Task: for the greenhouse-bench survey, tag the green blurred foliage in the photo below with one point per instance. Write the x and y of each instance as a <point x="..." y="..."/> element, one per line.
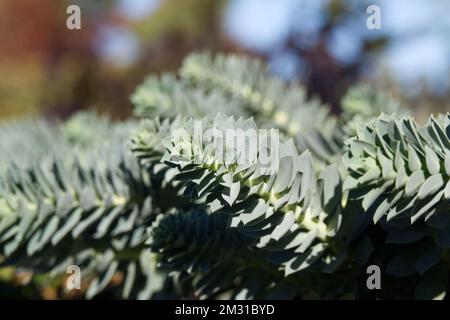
<point x="45" y="68"/>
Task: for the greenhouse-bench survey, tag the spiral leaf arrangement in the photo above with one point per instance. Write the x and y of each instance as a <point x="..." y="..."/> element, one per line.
<point x="296" y="205"/>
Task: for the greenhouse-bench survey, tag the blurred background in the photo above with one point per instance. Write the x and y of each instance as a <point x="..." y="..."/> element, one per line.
<point x="47" y="69"/>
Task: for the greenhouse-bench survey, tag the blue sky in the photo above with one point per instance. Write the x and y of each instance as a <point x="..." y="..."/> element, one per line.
<point x="420" y="29"/>
<point x="420" y="50"/>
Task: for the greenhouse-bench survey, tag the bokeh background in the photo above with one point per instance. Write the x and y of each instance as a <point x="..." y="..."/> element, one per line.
<point x="50" y="70"/>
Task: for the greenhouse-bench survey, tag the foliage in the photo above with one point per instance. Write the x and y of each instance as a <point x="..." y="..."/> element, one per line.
<point x="273" y="102"/>
<point x="159" y="204"/>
